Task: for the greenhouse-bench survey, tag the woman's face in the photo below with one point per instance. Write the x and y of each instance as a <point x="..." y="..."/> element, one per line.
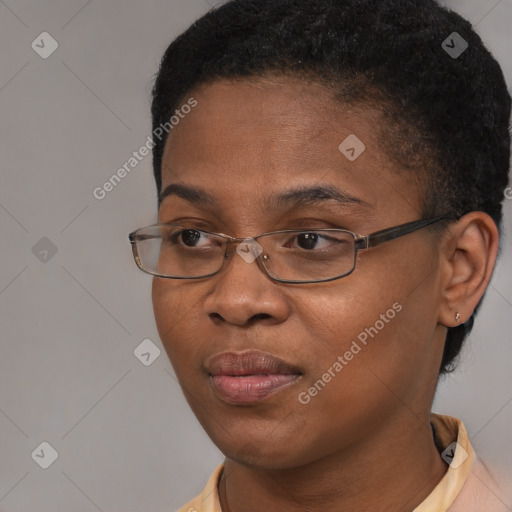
<point x="243" y="144"/>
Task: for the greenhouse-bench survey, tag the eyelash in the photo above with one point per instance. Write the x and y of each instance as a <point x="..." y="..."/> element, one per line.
<point x="299" y="224"/>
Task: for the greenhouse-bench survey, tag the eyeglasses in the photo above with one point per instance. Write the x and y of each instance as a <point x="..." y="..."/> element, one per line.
<point x="291" y="256"/>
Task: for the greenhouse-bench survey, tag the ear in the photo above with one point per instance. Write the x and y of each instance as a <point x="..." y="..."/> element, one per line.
<point x="468" y="255"/>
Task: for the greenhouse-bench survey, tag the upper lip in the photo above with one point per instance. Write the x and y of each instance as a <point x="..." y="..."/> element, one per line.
<point x="249" y="362"/>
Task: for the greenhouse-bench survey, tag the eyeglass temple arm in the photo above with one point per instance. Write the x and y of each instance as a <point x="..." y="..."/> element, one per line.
<point x="391" y="233"/>
<point x="133" y="237"/>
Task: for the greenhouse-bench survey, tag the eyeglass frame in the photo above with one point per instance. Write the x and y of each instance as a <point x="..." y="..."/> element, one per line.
<point x="361" y="242"/>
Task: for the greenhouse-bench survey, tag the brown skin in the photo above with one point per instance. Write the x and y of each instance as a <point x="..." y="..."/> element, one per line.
<point x="364" y="442"/>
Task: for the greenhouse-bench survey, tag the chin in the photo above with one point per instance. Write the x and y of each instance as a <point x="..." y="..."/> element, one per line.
<point x="261" y="451"/>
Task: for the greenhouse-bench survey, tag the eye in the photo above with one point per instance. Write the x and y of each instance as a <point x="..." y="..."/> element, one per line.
<point x="189" y="237"/>
<point x="312" y="240"/>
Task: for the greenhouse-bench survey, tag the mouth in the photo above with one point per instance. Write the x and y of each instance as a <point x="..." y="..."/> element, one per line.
<point x="250" y="376"/>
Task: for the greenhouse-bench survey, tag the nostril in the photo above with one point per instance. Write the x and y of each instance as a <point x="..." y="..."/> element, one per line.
<point x="260" y="316"/>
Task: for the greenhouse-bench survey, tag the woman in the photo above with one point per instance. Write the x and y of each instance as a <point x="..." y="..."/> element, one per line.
<point x="368" y="142"/>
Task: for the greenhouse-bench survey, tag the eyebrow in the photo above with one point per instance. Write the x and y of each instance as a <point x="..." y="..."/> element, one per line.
<point x="304" y="196"/>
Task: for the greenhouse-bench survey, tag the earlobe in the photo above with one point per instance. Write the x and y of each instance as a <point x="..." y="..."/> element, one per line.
<point x="469" y="255"/>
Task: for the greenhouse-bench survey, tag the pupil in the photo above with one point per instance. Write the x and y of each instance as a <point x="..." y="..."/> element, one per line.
<point x="190" y="236"/>
<point x="309" y="240"/>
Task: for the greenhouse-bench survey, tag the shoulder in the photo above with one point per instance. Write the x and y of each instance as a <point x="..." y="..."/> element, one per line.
<point x="481" y="492"/>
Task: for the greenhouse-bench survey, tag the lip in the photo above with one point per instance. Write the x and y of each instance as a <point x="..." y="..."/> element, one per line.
<point x="249" y="376"/>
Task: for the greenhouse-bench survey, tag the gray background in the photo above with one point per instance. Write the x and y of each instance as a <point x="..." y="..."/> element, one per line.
<point x="70" y="321"/>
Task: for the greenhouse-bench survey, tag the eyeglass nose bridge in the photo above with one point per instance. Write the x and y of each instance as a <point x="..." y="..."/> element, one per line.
<point x="247" y="248"/>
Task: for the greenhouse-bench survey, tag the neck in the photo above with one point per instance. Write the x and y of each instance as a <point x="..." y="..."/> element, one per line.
<point x="394" y="470"/>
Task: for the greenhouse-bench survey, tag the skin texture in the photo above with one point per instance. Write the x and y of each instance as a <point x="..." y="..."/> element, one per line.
<point x="364" y="442"/>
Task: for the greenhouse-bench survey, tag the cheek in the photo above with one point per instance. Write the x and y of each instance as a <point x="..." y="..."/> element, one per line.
<point x="368" y="326"/>
<point x="346" y="334"/>
<point x="347" y="310"/>
<point x="370" y="348"/>
<point x="176" y="317"/>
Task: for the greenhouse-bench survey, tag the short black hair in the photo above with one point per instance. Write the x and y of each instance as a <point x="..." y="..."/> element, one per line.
<point x="448" y="115"/>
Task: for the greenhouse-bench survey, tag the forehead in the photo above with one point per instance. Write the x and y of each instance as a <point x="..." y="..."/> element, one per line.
<point x="282" y="113"/>
<point x="250" y="136"/>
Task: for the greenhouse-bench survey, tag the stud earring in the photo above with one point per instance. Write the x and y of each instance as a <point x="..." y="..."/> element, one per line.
<point x="457" y="317"/>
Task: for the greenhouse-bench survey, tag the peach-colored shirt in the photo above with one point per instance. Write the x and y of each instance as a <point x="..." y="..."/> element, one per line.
<point x="467" y="485"/>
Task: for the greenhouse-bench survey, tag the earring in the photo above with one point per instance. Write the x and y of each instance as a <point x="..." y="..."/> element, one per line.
<point x="457" y="317"/>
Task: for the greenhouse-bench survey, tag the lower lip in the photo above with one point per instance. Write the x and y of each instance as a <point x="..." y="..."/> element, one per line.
<point x="246" y="389"/>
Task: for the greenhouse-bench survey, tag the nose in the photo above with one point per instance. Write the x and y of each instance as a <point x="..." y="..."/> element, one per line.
<point x="242" y="292"/>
